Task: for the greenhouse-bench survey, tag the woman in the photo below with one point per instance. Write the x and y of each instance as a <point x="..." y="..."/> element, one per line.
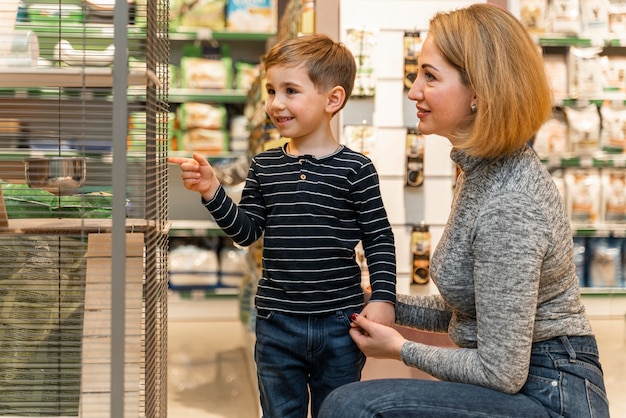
<point x="504" y="266"/>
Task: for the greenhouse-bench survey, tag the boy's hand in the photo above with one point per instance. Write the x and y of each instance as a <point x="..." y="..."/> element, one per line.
<point x="381" y="312"/>
<point x="197" y="175"/>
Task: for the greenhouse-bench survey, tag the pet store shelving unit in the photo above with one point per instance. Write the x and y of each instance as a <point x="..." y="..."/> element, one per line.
<point x="83" y="289"/>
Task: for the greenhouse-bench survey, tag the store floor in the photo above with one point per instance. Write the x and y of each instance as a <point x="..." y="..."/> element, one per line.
<point x="210" y="374"/>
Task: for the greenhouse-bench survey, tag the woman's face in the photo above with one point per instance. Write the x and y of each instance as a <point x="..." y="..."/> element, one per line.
<point x="443" y="102"/>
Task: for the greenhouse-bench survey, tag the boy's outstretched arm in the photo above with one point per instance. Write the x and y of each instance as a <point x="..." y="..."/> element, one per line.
<point x="197" y="175"/>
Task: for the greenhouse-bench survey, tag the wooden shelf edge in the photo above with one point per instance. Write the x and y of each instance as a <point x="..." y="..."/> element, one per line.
<point x="70" y="77"/>
<point x="73" y="226"/>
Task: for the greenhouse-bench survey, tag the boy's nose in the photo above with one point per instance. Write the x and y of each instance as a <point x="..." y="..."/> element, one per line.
<point x="277" y="103"/>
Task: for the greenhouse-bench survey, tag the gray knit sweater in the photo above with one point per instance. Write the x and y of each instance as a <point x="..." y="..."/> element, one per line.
<point x="505" y="271"/>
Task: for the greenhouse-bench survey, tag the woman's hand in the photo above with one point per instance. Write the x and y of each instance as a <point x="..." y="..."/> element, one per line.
<point x="197" y="175"/>
<point x="376" y="340"/>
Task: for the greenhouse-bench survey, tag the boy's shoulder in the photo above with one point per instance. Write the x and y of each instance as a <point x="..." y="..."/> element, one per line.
<point x="270" y="153"/>
<point x="357" y="156"/>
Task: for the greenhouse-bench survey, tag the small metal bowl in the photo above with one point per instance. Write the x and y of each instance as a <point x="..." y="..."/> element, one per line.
<point x="55" y="174"/>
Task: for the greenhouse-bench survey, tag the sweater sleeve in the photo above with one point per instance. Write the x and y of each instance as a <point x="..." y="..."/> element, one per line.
<point x="510" y="240"/>
<point x="427" y="313"/>
<point x="376" y="235"/>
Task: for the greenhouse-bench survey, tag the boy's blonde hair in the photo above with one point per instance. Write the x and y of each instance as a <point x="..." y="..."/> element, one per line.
<point x="500" y="62"/>
<point x="327" y="62"/>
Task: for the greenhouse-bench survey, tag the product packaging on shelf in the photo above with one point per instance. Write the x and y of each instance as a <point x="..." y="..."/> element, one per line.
<point x="605" y="262"/>
<point x="205" y="73"/>
<point x="205" y="141"/>
<point x="551" y="139"/>
<point x="202" y="115"/>
<point x="251" y="16"/>
<point x="202" y="127"/>
<point x="583" y="129"/>
<point x="412" y="48"/>
<point x="583" y="196"/>
<point x="191" y="265"/>
<point x="420" y="247"/>
<point x="613" y="131"/>
<point x="362" y="43"/>
<point x="197" y="14"/>
<point x="614" y="196"/>
<point x="414" y="158"/>
<point x="360" y="138"/>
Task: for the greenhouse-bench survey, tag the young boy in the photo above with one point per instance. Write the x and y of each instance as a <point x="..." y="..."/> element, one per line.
<point x="313" y="200"/>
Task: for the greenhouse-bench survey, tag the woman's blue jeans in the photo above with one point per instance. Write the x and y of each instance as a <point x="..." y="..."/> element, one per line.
<point x="565" y="380"/>
<point x="300" y="354"/>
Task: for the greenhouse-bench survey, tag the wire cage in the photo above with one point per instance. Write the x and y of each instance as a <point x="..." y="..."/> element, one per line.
<point x="83" y="207"/>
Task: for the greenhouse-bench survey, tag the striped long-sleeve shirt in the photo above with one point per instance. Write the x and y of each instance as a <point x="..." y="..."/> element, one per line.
<point x="312" y="213"/>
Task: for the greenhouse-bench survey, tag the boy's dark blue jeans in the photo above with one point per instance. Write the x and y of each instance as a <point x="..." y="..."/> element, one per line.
<point x="565" y="380"/>
<point x="300" y="354"/>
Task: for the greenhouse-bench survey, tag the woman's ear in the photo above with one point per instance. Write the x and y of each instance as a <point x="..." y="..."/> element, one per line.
<point x="336" y="99"/>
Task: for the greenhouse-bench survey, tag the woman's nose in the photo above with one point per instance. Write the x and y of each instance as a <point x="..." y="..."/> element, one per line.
<point x="415" y="92"/>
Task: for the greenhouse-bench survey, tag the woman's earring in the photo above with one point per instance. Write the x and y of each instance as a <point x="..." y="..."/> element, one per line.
<point x="473" y="107"/>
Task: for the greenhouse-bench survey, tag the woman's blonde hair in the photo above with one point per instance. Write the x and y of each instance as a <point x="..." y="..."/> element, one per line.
<point x="500" y="62"/>
<point x="327" y="62"/>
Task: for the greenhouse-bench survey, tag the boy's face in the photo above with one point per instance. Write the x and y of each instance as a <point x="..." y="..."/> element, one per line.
<point x="294" y="105"/>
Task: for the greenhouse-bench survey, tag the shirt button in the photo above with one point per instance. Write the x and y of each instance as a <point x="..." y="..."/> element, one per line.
<point x="554" y="383"/>
<point x="302" y="177"/>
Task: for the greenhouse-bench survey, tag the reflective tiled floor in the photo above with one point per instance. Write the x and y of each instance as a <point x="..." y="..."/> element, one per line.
<point x="210" y="374"/>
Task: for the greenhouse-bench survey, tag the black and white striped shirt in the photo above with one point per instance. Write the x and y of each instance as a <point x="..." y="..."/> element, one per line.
<point x="312" y="213"/>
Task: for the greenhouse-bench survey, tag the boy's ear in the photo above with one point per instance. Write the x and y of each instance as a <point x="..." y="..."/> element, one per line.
<point x="336" y="99"/>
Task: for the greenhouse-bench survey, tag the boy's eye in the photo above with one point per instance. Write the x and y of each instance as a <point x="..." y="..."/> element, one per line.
<point x="291" y="91"/>
<point x="270" y="91"/>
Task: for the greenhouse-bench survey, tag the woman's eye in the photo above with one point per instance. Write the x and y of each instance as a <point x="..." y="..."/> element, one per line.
<point x="428" y="76"/>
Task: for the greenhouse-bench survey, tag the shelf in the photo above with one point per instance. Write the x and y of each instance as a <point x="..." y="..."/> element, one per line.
<point x="603" y="291"/>
<point x="232" y="155"/>
<point x="88" y="30"/>
<point x="606" y="160"/>
<point x="180" y="95"/>
<point x="207" y="289"/>
<point x="218" y="287"/>
<point x="613" y="97"/>
<point x="70" y="77"/>
<point x="72" y="226"/>
<point x="558" y="40"/>
<point x="12" y="159"/>
<point x="182" y="34"/>
<point x="600" y="230"/>
<point x="193" y="228"/>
